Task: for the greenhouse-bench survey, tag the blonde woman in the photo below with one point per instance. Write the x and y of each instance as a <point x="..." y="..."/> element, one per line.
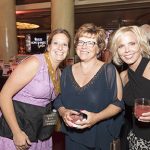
<point x="130" y="46"/>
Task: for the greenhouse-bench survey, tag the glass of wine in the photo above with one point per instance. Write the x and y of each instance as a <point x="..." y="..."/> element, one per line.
<point x="141" y="105"/>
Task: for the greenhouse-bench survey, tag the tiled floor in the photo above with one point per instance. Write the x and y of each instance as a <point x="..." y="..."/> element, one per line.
<point x="58" y="141"/>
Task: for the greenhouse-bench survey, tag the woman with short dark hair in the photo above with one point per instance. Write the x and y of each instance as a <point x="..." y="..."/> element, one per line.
<point x="91" y="95"/>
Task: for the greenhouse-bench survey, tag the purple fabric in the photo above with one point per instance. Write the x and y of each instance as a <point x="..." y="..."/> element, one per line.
<point x="39" y="91"/>
<point x="7" y="144"/>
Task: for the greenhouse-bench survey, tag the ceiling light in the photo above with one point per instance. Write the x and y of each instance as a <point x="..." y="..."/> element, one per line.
<point x="23" y="25"/>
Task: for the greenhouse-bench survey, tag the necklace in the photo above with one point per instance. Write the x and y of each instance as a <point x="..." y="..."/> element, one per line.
<point x="54" y="75"/>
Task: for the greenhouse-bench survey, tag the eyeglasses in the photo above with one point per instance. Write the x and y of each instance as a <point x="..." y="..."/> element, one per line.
<point x="88" y="43"/>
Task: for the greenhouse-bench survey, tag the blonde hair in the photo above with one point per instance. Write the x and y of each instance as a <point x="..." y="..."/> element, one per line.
<point x="145" y="28"/>
<point x="142" y="41"/>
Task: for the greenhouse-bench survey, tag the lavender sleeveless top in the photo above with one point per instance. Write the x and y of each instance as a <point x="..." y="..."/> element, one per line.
<point x="40" y="90"/>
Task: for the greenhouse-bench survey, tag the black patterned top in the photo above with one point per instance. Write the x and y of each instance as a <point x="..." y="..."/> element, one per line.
<point x="137" y="87"/>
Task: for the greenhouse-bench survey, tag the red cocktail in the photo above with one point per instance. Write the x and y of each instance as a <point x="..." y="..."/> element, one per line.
<point x="142" y="105"/>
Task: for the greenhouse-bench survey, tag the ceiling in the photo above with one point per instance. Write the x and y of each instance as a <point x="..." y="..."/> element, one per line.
<point x="110" y="15"/>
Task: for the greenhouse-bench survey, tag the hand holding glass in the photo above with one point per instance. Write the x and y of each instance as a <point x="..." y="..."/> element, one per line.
<point x="80" y="116"/>
<point x="142" y="105"/>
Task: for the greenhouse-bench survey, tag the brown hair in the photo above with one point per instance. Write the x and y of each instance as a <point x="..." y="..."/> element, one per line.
<point x="91" y="30"/>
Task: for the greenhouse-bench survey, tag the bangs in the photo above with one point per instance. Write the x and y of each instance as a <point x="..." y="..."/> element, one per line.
<point x="88" y="35"/>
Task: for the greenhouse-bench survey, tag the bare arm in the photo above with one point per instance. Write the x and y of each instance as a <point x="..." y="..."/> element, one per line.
<point x="124" y="77"/>
<point x="21" y="76"/>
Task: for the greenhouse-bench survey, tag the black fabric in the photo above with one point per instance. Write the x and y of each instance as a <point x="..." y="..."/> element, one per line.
<point x="94" y="97"/>
<point x="137" y="87"/>
<point x="30" y="120"/>
<point x="71" y="145"/>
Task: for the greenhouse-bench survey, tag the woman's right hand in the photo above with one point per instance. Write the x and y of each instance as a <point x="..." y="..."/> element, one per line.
<point x="21" y="141"/>
<point x="66" y="114"/>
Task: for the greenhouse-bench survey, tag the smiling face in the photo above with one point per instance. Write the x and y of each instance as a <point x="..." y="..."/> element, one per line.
<point x="129" y="49"/>
<point x="87" y="48"/>
<point x="58" y="48"/>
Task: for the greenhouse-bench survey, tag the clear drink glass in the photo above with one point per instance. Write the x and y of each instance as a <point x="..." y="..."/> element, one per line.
<point x="141" y="105"/>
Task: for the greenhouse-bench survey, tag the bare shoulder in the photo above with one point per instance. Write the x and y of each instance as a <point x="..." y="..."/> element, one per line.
<point x="147" y="71"/>
<point x="124" y="77"/>
<point x="28" y="66"/>
<point x="148" y="67"/>
<point x="22" y="75"/>
<point x="123" y="74"/>
<point x="32" y="59"/>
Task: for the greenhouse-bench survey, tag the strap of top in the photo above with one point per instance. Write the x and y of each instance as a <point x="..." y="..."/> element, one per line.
<point x="142" y="66"/>
<point x="136" y="83"/>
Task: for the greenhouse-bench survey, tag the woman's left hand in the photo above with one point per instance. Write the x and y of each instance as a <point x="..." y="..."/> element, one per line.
<point x="145" y="117"/>
<point x="89" y="122"/>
